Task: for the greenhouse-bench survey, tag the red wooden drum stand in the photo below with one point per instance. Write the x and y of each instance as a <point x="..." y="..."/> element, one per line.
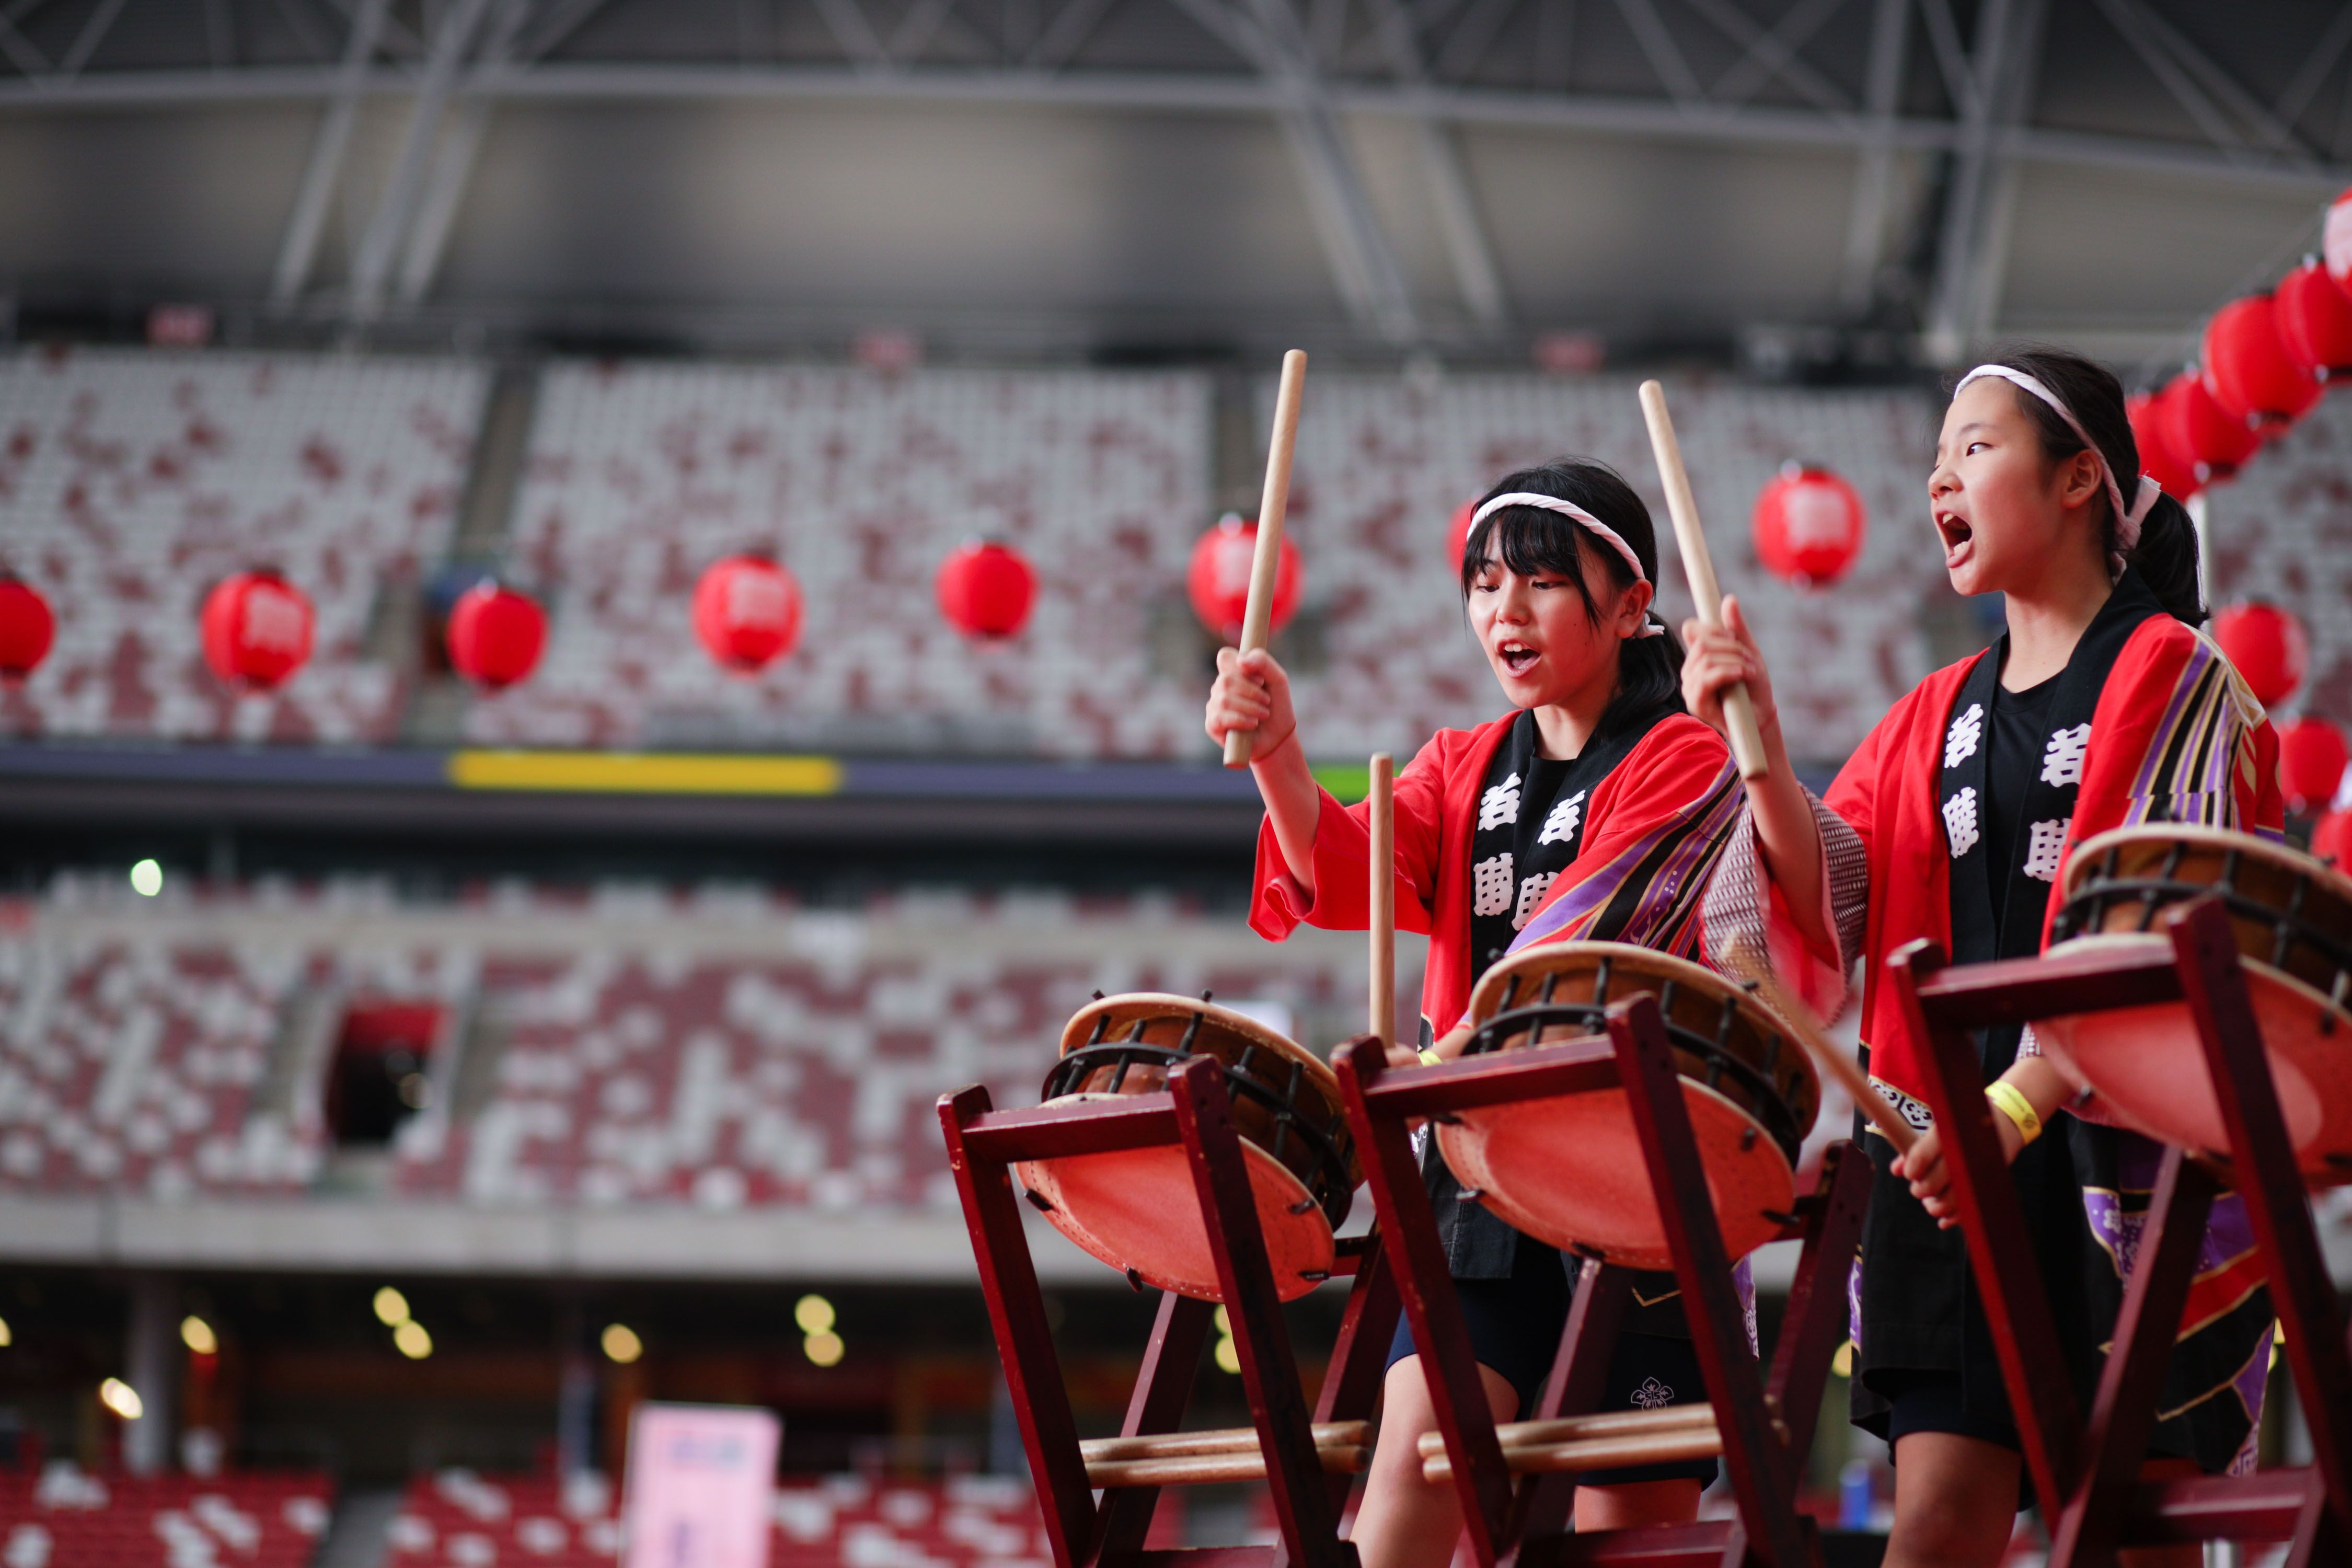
<point x="1307" y="1456"/>
<point x="1762" y="1423"/>
<point x="2096" y="1468"/>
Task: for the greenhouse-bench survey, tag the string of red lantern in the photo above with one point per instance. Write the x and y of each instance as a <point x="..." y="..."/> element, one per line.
<point x="2267" y="646"/>
<point x="2312" y="755"/>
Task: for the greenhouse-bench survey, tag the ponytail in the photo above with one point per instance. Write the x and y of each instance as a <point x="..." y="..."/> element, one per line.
<point x="2165" y="559"/>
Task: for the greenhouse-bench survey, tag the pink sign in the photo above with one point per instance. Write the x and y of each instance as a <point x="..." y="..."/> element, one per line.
<point x="701" y="1485"/>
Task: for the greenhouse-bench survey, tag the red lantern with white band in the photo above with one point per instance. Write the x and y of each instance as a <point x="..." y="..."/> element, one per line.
<point x="2249" y="369"/>
<point x="987" y="589"/>
<point x="257" y="629"/>
<point x="496" y="635"/>
<point x="28" y="628"/>
<point x="747" y="611"/>
<point x="2267" y="646"/>
<point x="1218" y="579"/>
<point x="1808" y="526"/>
<point x="2336" y="241"/>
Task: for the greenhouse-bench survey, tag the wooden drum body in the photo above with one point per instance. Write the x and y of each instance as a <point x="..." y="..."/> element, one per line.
<point x="1568" y="1169"/>
<point x="1135" y="1208"/>
<point x="2293" y="917"/>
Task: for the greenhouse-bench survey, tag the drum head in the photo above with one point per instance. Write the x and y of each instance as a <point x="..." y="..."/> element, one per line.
<point x="1134" y="1208"/>
<point x="1569" y="1171"/>
<point x="2148" y="1064"/>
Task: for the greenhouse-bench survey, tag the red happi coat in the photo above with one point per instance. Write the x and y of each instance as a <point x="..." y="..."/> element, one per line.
<point x="2176" y="738"/>
<point x="1674" y="795"/>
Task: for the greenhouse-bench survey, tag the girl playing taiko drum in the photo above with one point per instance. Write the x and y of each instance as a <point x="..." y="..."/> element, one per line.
<point x="1591" y="811"/>
<point x="2101" y="707"/>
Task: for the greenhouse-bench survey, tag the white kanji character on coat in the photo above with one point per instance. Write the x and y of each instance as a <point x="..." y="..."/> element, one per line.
<point x="2062" y="759"/>
<point x="1490" y="886"/>
<point x="1500" y="806"/>
<point x="1960" y="740"/>
<point x="1960" y="821"/>
<point x="1561" y="823"/>
<point x="1531" y="894"/>
<point x="2045" y="842"/>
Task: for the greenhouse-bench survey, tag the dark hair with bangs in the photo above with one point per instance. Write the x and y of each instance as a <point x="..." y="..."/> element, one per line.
<point x="1530" y="539"/>
<point x="2166" y="555"/>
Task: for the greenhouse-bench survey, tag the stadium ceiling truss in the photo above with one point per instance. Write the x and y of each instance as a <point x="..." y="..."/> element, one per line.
<point x="1989" y="84"/>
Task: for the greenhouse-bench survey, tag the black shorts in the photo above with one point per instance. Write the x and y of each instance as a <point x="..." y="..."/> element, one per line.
<point x="1515" y="1327"/>
<point x="1938" y="1402"/>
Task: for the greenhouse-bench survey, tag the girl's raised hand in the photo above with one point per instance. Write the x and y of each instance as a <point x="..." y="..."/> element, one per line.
<point x="1251" y="694"/>
<point x="1721" y="656"/>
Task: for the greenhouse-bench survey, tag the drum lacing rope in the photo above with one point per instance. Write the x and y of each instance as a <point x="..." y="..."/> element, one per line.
<point x="2083" y="913"/>
<point x="1530" y="1024"/>
<point x="1330" y="1183"/>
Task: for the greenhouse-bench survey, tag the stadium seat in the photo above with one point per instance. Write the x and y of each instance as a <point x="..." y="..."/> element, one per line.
<point x="66" y="1517"/>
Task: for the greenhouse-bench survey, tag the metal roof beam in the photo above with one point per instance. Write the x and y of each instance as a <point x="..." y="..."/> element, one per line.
<point x="1865" y="231"/>
<point x="2152" y="36"/>
<point x="1658" y="46"/>
<point x="1774" y="49"/>
<point x="371" y="263"/>
<point x="1463" y="231"/>
<point x="1981" y="198"/>
<point x="1201" y="93"/>
<point x="453" y="167"/>
<point x="300" y="249"/>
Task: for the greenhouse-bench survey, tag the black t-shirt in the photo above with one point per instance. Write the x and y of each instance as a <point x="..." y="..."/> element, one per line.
<point x="2021" y="725"/>
<point x="1531" y="813"/>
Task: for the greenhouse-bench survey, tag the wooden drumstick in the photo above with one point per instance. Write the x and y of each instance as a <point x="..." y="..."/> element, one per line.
<point x="1384" y="899"/>
<point x="1698" y="568"/>
<point x="1832" y="1058"/>
<point x="1272" y="503"/>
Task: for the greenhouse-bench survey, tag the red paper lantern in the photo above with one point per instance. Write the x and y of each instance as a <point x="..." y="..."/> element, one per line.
<point x="2158" y="458"/>
<point x="496" y="635"/>
<point x="256" y="629"/>
<point x="28" y="628"/>
<point x="1218" y="580"/>
<point x="1458" y="536"/>
<point x="747" y="611"/>
<point x="2210" y="437"/>
<point x="2249" y="369"/>
<point x="2267" y="646"/>
<point x="1808" y="526"/>
<point x="2315" y="321"/>
<point x="986" y="589"/>
<point x="2331" y="840"/>
<point x="2312" y="755"/>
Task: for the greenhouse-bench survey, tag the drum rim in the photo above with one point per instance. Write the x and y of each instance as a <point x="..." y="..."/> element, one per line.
<point x="1666" y="966"/>
<point x="2285" y="856"/>
<point x="1073" y="1034"/>
<point x="2088" y="855"/>
<point x="1332" y="1148"/>
<point x="2304" y="992"/>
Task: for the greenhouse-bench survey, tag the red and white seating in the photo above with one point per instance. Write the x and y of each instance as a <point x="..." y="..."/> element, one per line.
<point x="131" y="1064"/>
<point x="459" y="1520"/>
<point x="64" y="1518"/>
<point x="641" y="475"/>
<point x="131" y="481"/>
<point x="719" y="1047"/>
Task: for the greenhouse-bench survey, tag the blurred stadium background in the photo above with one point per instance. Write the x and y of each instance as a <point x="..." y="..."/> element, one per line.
<point x="400" y="1080"/>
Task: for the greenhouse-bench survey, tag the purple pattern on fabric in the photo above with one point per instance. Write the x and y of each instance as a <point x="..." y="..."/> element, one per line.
<point x="2229" y="1232"/>
<point x="2251" y="1383"/>
<point x="1853" y="1304"/>
<point x="1673" y="881"/>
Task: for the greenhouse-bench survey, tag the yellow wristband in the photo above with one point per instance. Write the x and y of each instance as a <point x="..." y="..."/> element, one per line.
<point x="1429" y="1056"/>
<point x="2011" y="1101"/>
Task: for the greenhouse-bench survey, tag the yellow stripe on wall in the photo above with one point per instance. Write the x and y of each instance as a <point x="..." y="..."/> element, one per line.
<point x="642" y="773"/>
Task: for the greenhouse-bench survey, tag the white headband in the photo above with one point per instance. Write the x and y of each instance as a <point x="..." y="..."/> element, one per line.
<point x="2127" y="519"/>
<point x="1650" y="628"/>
